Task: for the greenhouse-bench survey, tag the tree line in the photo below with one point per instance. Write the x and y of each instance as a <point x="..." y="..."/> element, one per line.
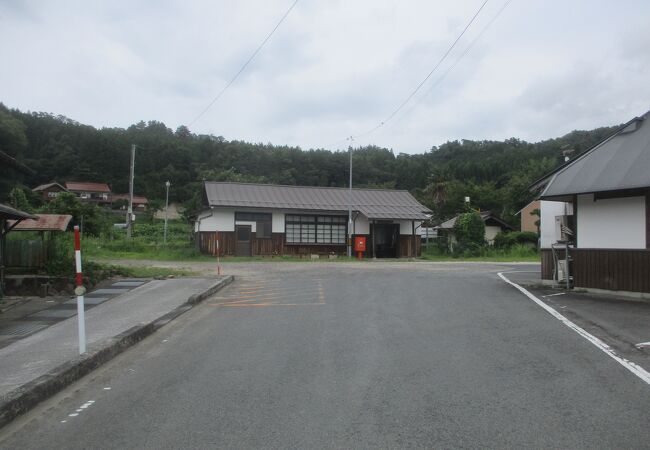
<point x="494" y="174"/>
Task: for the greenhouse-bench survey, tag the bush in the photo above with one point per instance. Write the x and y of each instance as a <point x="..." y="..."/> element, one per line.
<point x="469" y="231"/>
<point x="506" y="240"/>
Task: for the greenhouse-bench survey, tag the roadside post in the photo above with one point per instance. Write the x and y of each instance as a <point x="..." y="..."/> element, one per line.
<point x="218" y="261"/>
<point x="80" y="290"/>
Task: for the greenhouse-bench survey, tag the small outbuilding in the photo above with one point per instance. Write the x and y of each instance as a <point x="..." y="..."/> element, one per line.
<point x="9" y="219"/>
<point x="34" y="253"/>
<point x="264" y="219"/>
<point x="598" y="206"/>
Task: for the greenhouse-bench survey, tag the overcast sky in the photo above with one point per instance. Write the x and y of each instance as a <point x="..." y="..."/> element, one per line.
<point x="333" y="69"/>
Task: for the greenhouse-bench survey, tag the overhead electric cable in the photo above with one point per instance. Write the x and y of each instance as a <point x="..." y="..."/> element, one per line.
<point x="225" y="88"/>
<point x="419" y="86"/>
<point x="461" y="56"/>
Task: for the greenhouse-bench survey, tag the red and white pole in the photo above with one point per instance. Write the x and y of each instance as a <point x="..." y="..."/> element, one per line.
<point x="80" y="291"/>
<point x="218" y="262"/>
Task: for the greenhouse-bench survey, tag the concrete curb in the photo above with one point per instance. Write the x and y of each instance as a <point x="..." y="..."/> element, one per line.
<point x="27" y="396"/>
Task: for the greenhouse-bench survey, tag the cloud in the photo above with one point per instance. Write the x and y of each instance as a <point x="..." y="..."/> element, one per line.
<point x="333" y="69"/>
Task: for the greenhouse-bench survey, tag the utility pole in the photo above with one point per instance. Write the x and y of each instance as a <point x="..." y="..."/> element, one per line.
<point x="350" y="203"/>
<point x="129" y="217"/>
<point x="167" y="184"/>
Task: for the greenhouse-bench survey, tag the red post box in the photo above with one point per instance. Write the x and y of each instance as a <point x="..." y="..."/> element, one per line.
<point x="360" y="245"/>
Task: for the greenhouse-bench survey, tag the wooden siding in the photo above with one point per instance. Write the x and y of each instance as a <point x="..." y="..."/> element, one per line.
<point x="276" y="245"/>
<point x="30" y="254"/>
<point x="405" y="249"/>
<point x="647" y="219"/>
<point x="547" y="264"/>
<point x="612" y="269"/>
<point x="609" y="269"/>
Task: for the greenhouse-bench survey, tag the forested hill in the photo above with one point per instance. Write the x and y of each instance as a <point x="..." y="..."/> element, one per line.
<point x="494" y="174"/>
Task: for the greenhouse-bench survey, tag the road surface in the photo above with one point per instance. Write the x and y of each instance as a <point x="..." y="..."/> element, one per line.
<point x="360" y="356"/>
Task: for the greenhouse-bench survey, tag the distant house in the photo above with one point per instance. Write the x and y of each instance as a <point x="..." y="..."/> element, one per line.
<point x="139" y="202"/>
<point x="598" y="205"/>
<point x="98" y="193"/>
<point x="49" y="191"/>
<point x="493" y="226"/>
<point x="263" y="219"/>
<point x="528" y="219"/>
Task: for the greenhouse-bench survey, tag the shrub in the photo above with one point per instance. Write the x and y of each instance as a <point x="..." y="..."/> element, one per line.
<point x="470" y="234"/>
<point x="509" y="239"/>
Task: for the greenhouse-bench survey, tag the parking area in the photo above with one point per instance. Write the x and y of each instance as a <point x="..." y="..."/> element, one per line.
<point x="387" y="355"/>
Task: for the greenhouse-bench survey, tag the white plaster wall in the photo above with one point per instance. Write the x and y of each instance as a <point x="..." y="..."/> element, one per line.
<point x="277" y="222"/>
<point x="220" y="220"/>
<point x="361" y="225"/>
<point x="548" y="211"/>
<point x="611" y="223"/>
<point x="405" y="227"/>
<point x="490" y="232"/>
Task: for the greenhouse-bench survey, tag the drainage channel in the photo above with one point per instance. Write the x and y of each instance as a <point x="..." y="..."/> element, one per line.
<point x="20" y="328"/>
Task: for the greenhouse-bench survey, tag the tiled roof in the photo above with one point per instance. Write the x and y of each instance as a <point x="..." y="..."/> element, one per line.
<point x="87" y="187"/>
<point x="136" y="198"/>
<point x="43" y="187"/>
<point x="619" y="162"/>
<point x="372" y="203"/>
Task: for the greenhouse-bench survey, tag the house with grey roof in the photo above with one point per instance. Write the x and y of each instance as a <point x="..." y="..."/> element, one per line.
<point x="493" y="226"/>
<point x="246" y="219"/>
<point x="598" y="205"/>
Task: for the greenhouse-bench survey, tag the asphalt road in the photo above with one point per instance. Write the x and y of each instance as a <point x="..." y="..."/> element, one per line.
<point x="369" y="356"/>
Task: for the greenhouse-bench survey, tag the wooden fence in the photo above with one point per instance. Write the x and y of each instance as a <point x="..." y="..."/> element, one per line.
<point x="28" y="254"/>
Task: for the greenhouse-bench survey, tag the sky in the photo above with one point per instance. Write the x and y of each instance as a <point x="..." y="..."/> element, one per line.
<point x="333" y="69"/>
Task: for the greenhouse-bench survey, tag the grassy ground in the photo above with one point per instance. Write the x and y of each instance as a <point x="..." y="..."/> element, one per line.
<point x="145" y="272"/>
<point x="147" y="244"/>
<point x="517" y="253"/>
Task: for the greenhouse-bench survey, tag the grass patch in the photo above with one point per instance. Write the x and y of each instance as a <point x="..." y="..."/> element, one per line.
<point x="145" y="272"/>
<point x="516" y="253"/>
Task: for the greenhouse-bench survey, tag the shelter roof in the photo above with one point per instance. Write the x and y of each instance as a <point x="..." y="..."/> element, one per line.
<point x="45" y="222"/>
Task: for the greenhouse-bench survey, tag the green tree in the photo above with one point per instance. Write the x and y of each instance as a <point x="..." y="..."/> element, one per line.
<point x="18" y="200"/>
<point x="469" y="231"/>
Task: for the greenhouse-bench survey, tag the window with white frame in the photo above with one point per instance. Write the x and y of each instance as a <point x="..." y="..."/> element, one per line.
<point x="312" y="229"/>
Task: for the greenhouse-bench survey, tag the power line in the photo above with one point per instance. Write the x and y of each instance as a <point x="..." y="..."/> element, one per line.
<point x="214" y="100"/>
<point x="462" y="55"/>
<point x="419" y="86"/>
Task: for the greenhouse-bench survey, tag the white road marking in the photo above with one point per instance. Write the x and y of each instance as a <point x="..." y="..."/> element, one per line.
<point x="642" y="344"/>
<point x="553" y="295"/>
<point x="73" y="415"/>
<point x="107" y="389"/>
<point x="63" y="421"/>
<point x="629" y="365"/>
